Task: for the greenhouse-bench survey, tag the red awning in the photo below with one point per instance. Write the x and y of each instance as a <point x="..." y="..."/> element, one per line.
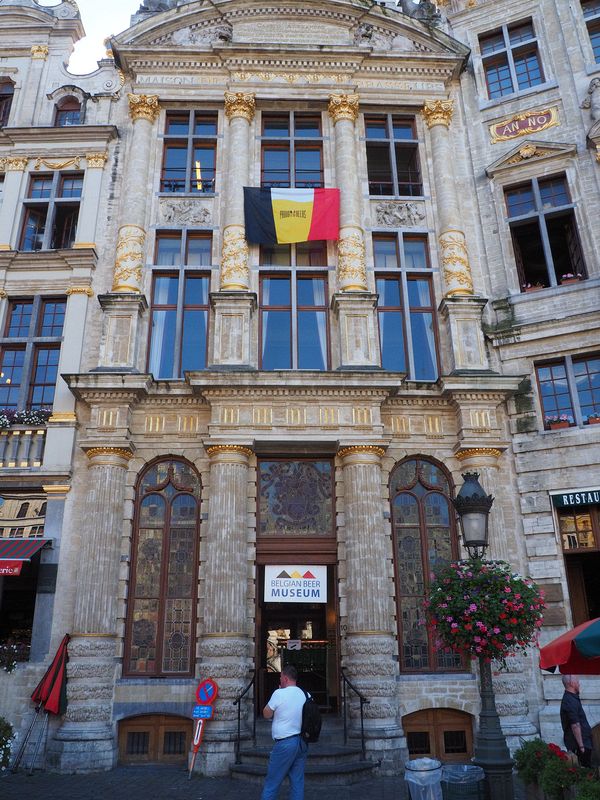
<point x="20" y="549"/>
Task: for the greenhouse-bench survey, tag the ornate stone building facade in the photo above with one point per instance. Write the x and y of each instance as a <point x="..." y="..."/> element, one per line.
<point x="222" y="413"/>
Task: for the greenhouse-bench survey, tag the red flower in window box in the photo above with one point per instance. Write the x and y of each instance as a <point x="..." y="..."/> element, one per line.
<point x="558" y="421"/>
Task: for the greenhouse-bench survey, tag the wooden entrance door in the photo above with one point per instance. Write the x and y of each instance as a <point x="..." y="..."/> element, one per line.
<point x="155" y="739"/>
<point x="442" y="733"/>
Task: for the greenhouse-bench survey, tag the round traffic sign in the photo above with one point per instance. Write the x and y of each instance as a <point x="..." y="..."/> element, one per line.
<point x="207" y="692"/>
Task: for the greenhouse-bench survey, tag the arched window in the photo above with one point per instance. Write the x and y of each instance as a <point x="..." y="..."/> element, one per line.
<point x="424" y="534"/>
<point x="161" y="613"/>
<point x="22" y="512"/>
<point x="68" y="112"/>
<point x="6" y="97"/>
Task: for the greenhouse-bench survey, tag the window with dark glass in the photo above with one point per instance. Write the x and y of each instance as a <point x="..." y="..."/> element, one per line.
<point x="579" y="530"/>
<point x="161" y="610"/>
<point x="291" y="150"/>
<point x="424" y="538"/>
<point x="392" y="155"/>
<point x="51" y="211"/>
<point x="180" y="304"/>
<point x="68" y="112"/>
<point x="570" y="390"/>
<point x="30" y="351"/>
<point x="294" y="301"/>
<point x="510" y="59"/>
<point x="406" y="307"/>
<point x="7" y="92"/>
<point x="591" y="15"/>
<point x="190" y="152"/>
<point x="544" y="233"/>
<point x="296" y="497"/>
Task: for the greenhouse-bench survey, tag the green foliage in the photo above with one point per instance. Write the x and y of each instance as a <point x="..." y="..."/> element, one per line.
<point x="554" y="771"/>
<point x="589" y="789"/>
<point x="6" y="739"/>
<point x="530" y="760"/>
<point x="558" y="774"/>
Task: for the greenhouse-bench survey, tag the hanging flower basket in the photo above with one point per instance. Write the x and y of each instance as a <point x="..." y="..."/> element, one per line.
<point x="484" y="610"/>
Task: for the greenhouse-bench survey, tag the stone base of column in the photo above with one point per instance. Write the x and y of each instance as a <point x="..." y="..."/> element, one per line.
<point x="462" y="316"/>
<point x="120" y="340"/>
<point x="356" y="313"/>
<point x="233" y="327"/>
<point x="82" y="747"/>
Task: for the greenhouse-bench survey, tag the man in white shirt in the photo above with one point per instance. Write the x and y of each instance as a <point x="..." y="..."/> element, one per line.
<point x="288" y="756"/>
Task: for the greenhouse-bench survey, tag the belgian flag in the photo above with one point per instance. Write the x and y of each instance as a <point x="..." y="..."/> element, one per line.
<point x="282" y="216"/>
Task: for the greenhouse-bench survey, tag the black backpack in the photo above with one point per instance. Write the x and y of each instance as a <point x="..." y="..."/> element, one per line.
<point x="311" y="720"/>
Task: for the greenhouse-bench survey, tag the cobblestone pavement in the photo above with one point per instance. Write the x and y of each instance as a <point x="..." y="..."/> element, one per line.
<point x="171" y="783"/>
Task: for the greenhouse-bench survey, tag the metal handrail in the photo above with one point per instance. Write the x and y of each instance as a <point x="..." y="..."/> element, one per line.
<point x="238" y="702"/>
<point x="363" y="701"/>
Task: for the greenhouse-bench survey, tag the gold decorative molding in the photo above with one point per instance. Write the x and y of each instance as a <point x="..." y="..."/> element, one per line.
<point x="54" y="489"/>
<point x="240" y="104"/>
<point x="69" y="162"/>
<point x="3" y="294"/>
<point x="87" y="290"/>
<point x="129" y="259"/>
<point x="225" y="635"/>
<point x="39" y="51"/>
<point x="219" y="449"/>
<point x="143" y="106"/>
<point x="352" y="272"/>
<point x="361" y="449"/>
<point x="3" y="164"/>
<point x="292" y="77"/>
<point x="16" y="164"/>
<point x="63" y="416"/>
<point x="598" y="153"/>
<point x="121" y="75"/>
<point x="84" y="246"/>
<point x="523" y="124"/>
<point x="526" y="152"/>
<point x="343" y="106"/>
<point x="96" y="160"/>
<point x="368" y="633"/>
<point x="95" y="452"/>
<point x="438" y="112"/>
<point x="4" y="248"/>
<point x="234" y="259"/>
<point x="455" y="263"/>
<point x="94" y="635"/>
<point x="478" y="452"/>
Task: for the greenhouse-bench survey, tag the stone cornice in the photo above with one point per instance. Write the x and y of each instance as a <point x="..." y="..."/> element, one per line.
<point x="120" y="388"/>
<point x="46" y="262"/>
<point x="480" y="387"/>
<point x="66" y="139"/>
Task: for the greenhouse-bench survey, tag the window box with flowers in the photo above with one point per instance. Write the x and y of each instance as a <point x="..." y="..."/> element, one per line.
<point x="533" y="287"/>
<point x="32" y="418"/>
<point x="570" y="277"/>
<point x="592" y="419"/>
<point x="557" y="421"/>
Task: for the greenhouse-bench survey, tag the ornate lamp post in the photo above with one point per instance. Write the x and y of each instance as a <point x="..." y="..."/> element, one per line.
<point x="473" y="506"/>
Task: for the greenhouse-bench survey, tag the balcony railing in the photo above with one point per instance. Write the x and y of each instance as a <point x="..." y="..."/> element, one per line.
<point x="22" y="447"/>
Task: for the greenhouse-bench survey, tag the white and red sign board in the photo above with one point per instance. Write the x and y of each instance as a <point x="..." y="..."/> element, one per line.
<point x="295" y="584"/>
<point x="10" y="568"/>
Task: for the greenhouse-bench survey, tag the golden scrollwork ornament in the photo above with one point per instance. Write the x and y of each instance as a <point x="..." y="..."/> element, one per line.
<point x="234" y="259"/>
<point x="129" y="259"/>
<point x="343" y="106"/>
<point x="240" y="104"/>
<point x="455" y="263"/>
<point x="143" y="106"/>
<point x="352" y="273"/>
<point x="438" y="112"/>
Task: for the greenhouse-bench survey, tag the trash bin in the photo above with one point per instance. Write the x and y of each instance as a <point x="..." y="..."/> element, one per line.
<point x="423" y="776"/>
<point x="463" y="782"/>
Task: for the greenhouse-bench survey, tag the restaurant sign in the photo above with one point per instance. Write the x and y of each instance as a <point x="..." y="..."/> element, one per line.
<point x="589" y="497"/>
<point x="523" y="124"/>
<point x="295" y="584"/>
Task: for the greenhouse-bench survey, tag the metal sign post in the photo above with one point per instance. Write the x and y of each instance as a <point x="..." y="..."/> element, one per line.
<point x="206" y="694"/>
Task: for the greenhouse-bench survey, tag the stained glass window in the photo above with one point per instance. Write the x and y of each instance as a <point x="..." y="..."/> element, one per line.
<point x="161" y="613"/>
<point x="424" y="538"/>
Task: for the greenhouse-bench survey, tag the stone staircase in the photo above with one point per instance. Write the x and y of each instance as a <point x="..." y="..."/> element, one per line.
<point x="329" y="760"/>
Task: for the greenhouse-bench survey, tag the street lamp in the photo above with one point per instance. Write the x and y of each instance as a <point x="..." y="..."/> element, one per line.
<point x="473" y="507"/>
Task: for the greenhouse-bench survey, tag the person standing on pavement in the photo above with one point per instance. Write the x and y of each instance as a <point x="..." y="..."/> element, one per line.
<point x="288" y="756"/>
<point x="576" y="728"/>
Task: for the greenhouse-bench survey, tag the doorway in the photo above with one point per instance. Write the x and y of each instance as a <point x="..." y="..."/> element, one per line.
<point x="302" y="634"/>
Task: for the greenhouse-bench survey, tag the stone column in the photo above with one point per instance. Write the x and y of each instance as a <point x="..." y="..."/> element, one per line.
<point x="14" y="169"/>
<point x="225" y="643"/>
<point x="461" y="310"/>
<point x="88" y="211"/>
<point x="370" y="645"/>
<point x="239" y="110"/>
<point x="352" y="276"/>
<point x="25" y="114"/>
<point x="510" y="687"/>
<point x="85" y="741"/>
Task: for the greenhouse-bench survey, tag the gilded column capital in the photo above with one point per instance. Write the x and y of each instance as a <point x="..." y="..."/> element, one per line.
<point x="478" y="453"/>
<point x="343" y="106"/>
<point x="240" y="104"/>
<point x="39" y="51"/>
<point x="16" y="164"/>
<point x="438" y="112"/>
<point x="143" y="106"/>
<point x="362" y="453"/>
<point x="3" y="294"/>
<point x="96" y="160"/>
<point x="100" y="456"/>
<point x="229" y="452"/>
<point x="87" y="290"/>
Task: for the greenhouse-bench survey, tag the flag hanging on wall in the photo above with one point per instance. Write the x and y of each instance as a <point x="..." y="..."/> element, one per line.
<point x="282" y="216"/>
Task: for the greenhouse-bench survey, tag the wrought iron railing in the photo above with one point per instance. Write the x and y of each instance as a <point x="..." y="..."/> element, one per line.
<point x="363" y="702"/>
<point x="238" y="702"/>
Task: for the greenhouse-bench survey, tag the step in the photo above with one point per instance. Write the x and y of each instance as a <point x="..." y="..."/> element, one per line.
<point x="321" y="753"/>
<point x="332" y="774"/>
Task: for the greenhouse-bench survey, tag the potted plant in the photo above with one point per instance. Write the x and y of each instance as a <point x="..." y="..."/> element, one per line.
<point x="554" y="774"/>
<point x="557" y="421"/>
<point x="592" y="419"/>
<point x="570" y="277"/>
<point x="532" y="287"/>
<point x="6" y="739"/>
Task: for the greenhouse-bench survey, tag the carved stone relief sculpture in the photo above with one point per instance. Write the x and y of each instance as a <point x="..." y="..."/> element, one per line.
<point x="394" y="215"/>
<point x="220" y="32"/>
<point x="592" y="101"/>
<point x="183" y="211"/>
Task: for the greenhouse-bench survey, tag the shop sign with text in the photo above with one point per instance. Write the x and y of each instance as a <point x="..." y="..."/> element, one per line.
<point x="522" y="124"/>
<point x="295" y="584"/>
<point x="589" y="497"/>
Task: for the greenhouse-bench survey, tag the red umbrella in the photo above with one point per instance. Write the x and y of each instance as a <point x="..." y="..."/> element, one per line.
<point x="576" y="652"/>
<point x="51" y="691"/>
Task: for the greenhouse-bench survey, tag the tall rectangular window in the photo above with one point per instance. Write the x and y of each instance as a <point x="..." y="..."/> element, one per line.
<point x="392" y="155"/>
<point x="292" y="150"/>
<point x="30" y="351"/>
<point x="406" y="313"/>
<point x="51" y="211"/>
<point x="190" y="152"/>
<point x="591" y="14"/>
<point x="293" y="307"/>
<point x="570" y="390"/>
<point x="579" y="530"/>
<point x="510" y="59"/>
<point x="180" y="304"/>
